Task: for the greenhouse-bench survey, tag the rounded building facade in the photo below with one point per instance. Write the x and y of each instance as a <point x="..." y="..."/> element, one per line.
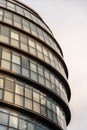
<point x="34" y="92"/>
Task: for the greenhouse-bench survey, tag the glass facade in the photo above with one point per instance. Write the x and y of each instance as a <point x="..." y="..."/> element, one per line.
<point x="33" y="74"/>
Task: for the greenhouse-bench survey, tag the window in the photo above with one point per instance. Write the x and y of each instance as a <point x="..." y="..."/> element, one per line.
<point x="28" y="93"/>
<point x="41" y="79"/>
<point x="58" y="110"/>
<point x="1" y="15"/>
<point x="19" y="9"/>
<point x="49" y="114"/>
<point x="3" y="3"/>
<point x="54" y="106"/>
<point x="22" y="124"/>
<point x="16" y="59"/>
<point x="36" y="107"/>
<point x="24" y="47"/>
<point x="43" y="110"/>
<point x="16" y="68"/>
<point x="17" y="21"/>
<point x="3" y="127"/>
<point x="4" y="37"/>
<point x="19" y="100"/>
<point x="3" y="118"/>
<point x="1" y="83"/>
<point x="6" y="55"/>
<point x="13" y="121"/>
<point x="19" y="89"/>
<point x="8" y="96"/>
<point x="33" y="75"/>
<point x="43" y="100"/>
<point x="9" y="85"/>
<point x="23" y="38"/>
<point x="26" y="25"/>
<point x="14" y="35"/>
<point x="49" y="103"/>
<point x="31" y="126"/>
<point x="32" y="43"/>
<point x="47" y="75"/>
<point x="11" y="6"/>
<point x="39" y="48"/>
<point x="25" y="72"/>
<point x="33" y="29"/>
<point x="8" y="17"/>
<point x="33" y="67"/>
<point x="5" y="64"/>
<point x="40" y="34"/>
<point x="28" y="103"/>
<point x="1" y="94"/>
<point x="36" y="96"/>
<point x="25" y="62"/>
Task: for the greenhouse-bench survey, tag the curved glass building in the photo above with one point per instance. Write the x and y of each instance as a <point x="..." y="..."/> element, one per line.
<point x="34" y="92"/>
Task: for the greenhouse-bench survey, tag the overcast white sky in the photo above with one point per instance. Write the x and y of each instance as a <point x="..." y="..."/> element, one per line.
<point x="68" y="21"/>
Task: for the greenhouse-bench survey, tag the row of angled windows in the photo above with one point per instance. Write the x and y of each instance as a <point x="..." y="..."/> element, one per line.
<point x="10" y="120"/>
<point x="26" y="67"/>
<point x="24" y="12"/>
<point x="23" y="42"/>
<point x="27" y="26"/>
<point x="30" y="98"/>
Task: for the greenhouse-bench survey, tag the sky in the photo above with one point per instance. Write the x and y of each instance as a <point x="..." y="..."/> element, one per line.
<point x="68" y="21"/>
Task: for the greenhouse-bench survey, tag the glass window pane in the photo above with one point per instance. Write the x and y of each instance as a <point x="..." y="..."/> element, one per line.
<point x="33" y="67"/>
<point x="3" y="3"/>
<point x="22" y="124"/>
<point x="40" y="70"/>
<point x="8" y="96"/>
<point x="28" y="93"/>
<point x="16" y="68"/>
<point x="41" y="79"/>
<point x="13" y="121"/>
<point x="49" y="114"/>
<point x="39" y="48"/>
<point x="8" y="17"/>
<point x="5" y="31"/>
<point x="14" y="35"/>
<point x="36" y="96"/>
<point x="47" y="76"/>
<point x="1" y="15"/>
<point x="23" y="38"/>
<point x="5" y="64"/>
<point x="43" y="100"/>
<point x="15" y="43"/>
<point x="17" y="21"/>
<point x="9" y="85"/>
<point x="3" y="127"/>
<point x="31" y="126"/>
<point x="1" y="94"/>
<point x="32" y="43"/>
<point x="1" y="83"/>
<point x="6" y="55"/>
<point x="36" y="107"/>
<point x="43" y="110"/>
<point x="3" y="118"/>
<point x="33" y="75"/>
<point x="25" y="72"/>
<point x="19" y="89"/>
<point x="25" y="62"/>
<point x="11" y="6"/>
<point x="19" y="100"/>
<point x="28" y="103"/>
<point x="49" y="102"/>
<point x="32" y="51"/>
<point x="16" y="59"/>
<point x="24" y="47"/>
